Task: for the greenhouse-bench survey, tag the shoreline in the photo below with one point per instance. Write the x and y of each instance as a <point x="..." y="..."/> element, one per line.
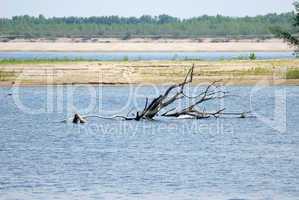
<point x="123" y="73"/>
<point x="292" y="83"/>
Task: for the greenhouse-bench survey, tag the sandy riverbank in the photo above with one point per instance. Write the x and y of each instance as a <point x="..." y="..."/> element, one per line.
<point x="142" y="45"/>
<point x="149" y="72"/>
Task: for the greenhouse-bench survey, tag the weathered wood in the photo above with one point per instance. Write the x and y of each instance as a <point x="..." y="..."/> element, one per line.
<point x="79" y="119"/>
<point x="172" y="94"/>
<point x="157" y="104"/>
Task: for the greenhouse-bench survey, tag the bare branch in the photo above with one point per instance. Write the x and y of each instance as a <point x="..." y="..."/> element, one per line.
<point x="172" y="94"/>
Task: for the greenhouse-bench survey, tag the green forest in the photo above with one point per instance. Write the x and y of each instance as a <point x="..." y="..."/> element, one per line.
<point x="162" y="26"/>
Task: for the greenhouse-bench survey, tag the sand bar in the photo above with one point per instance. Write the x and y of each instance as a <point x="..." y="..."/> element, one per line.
<point x="146" y="46"/>
<point x="235" y="72"/>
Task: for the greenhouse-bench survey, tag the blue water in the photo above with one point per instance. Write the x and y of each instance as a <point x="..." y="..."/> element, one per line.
<point x="228" y="158"/>
<point x="144" y="55"/>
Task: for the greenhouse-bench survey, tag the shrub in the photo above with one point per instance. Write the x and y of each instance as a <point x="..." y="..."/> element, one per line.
<point x="127" y="36"/>
<point x="252" y="56"/>
<point x="126" y="58"/>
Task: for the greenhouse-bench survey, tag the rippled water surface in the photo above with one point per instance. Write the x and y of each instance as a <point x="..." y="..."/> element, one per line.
<point x="228" y="158"/>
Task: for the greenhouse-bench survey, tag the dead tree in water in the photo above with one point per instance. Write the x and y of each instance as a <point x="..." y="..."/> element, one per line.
<point x="210" y="93"/>
<point x="164" y="100"/>
<point x="172" y="94"/>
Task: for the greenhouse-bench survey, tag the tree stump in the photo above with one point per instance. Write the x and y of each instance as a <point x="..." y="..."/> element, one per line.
<point x="78" y="119"/>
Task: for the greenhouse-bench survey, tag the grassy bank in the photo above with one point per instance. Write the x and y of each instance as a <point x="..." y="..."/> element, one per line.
<point x="148" y="72"/>
<point x="292" y="74"/>
<point x="7" y="75"/>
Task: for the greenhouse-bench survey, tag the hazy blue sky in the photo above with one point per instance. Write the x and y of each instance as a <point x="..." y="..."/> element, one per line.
<point x="180" y="8"/>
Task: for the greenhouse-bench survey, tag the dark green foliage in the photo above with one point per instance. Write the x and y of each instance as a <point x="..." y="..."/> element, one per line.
<point x="292" y="74"/>
<point x="287" y="37"/>
<point x="145" y="26"/>
<point x="290" y="36"/>
<point x="127" y="36"/>
<point x="126" y="58"/>
<point x="252" y="56"/>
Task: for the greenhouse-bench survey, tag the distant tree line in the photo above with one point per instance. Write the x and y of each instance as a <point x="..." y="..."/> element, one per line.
<point x="164" y="26"/>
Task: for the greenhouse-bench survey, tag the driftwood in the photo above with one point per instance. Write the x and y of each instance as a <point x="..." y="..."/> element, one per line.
<point x="172" y="94"/>
<point x="209" y="94"/>
<point x="79" y="119"/>
<point x="152" y="109"/>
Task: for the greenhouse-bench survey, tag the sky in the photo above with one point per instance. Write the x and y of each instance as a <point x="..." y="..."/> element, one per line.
<point x="178" y="8"/>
